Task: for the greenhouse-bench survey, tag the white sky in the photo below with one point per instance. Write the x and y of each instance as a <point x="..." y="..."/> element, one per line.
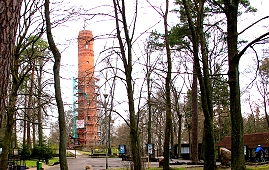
<point x="101" y="25"/>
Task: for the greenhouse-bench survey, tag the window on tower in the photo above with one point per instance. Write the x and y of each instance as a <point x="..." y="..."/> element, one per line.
<point x="87" y="46"/>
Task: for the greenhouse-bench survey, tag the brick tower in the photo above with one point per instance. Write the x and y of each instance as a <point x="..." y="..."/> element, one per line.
<point x="86" y="125"/>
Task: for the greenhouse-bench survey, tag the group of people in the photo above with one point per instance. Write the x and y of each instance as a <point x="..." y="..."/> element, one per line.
<point x="260" y="152"/>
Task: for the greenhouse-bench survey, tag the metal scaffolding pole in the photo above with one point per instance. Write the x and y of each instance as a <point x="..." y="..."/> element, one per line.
<point x="74" y="109"/>
<point x="105" y="104"/>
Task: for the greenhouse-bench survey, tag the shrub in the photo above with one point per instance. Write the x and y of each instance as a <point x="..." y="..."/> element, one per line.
<point x="25" y="152"/>
<point x="43" y="152"/>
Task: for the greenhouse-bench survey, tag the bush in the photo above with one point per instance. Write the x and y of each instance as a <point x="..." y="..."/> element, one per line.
<point x="43" y="152"/>
<point x="25" y="152"/>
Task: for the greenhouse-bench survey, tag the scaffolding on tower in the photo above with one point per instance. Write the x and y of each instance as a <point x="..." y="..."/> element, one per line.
<point x="74" y="109"/>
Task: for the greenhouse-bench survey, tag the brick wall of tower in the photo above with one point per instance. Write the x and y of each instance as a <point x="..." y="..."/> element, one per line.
<point x="87" y="109"/>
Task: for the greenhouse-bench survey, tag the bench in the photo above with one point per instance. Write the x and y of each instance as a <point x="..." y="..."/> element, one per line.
<point x="97" y="155"/>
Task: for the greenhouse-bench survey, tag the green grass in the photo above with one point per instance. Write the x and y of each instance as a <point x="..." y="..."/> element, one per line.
<point x="53" y="160"/>
<point x="32" y="163"/>
<point x="259" y="167"/>
<point x="114" y="151"/>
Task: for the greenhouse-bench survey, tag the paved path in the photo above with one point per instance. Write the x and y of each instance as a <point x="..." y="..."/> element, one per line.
<point x="81" y="161"/>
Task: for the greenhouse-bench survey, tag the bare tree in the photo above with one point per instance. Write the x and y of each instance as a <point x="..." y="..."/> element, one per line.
<point x="263" y="86"/>
<point x="168" y="124"/>
<point x="57" y="87"/>
<point x="126" y="57"/>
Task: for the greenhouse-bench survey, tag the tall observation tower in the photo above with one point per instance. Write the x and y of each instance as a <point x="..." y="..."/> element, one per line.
<point x="86" y="119"/>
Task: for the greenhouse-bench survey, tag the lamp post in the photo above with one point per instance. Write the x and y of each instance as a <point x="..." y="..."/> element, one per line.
<point x="105" y="106"/>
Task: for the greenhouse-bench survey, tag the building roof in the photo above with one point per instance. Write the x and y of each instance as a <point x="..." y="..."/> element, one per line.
<point x="250" y="140"/>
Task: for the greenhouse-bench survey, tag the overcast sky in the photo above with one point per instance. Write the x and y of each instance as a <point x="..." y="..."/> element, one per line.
<point x="100" y="25"/>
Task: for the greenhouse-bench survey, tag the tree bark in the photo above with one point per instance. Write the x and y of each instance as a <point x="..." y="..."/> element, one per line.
<point x="179" y="134"/>
<point x="238" y="160"/>
<point x="206" y="93"/>
<point x="168" y="123"/>
<point x="194" y="128"/>
<point x="39" y="111"/>
<point x="57" y="86"/>
<point x="127" y="62"/>
<point x="9" y="19"/>
<point x="179" y="115"/>
<point x="11" y="113"/>
<point x="197" y="35"/>
<point x="11" y="110"/>
<point x="149" y="102"/>
<point x="30" y="114"/>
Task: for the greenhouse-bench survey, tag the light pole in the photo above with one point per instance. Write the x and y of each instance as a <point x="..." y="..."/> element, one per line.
<point x="105" y="104"/>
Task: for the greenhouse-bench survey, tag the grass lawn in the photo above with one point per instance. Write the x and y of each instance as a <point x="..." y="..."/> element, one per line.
<point x="32" y="163"/>
<point x="258" y="167"/>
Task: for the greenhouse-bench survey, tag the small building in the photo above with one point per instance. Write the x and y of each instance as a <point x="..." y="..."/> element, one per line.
<point x="185" y="151"/>
<point x="251" y="141"/>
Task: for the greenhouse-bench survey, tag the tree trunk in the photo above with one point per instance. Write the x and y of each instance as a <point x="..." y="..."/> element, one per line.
<point x="179" y="135"/>
<point x="39" y="111"/>
<point x="168" y="123"/>
<point x="172" y="135"/>
<point x="206" y="94"/>
<point x="9" y="19"/>
<point x="25" y="117"/>
<point x="57" y="86"/>
<point x="205" y="84"/>
<point x="265" y="108"/>
<point x="11" y="111"/>
<point x="194" y="146"/>
<point x="28" y="128"/>
<point x="148" y="68"/>
<point x="238" y="160"/>
<point x="149" y="102"/>
<point x="127" y="62"/>
<point x="30" y="112"/>
<point x="179" y="115"/>
<point x="112" y="94"/>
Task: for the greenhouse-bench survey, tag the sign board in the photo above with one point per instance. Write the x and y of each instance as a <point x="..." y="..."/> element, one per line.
<point x="122" y="149"/>
<point x="150" y="148"/>
<point x="15" y="151"/>
<point x="80" y="124"/>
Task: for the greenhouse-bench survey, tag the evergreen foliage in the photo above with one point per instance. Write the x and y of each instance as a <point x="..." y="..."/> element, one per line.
<point x="43" y="152"/>
<point x="25" y="152"/>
